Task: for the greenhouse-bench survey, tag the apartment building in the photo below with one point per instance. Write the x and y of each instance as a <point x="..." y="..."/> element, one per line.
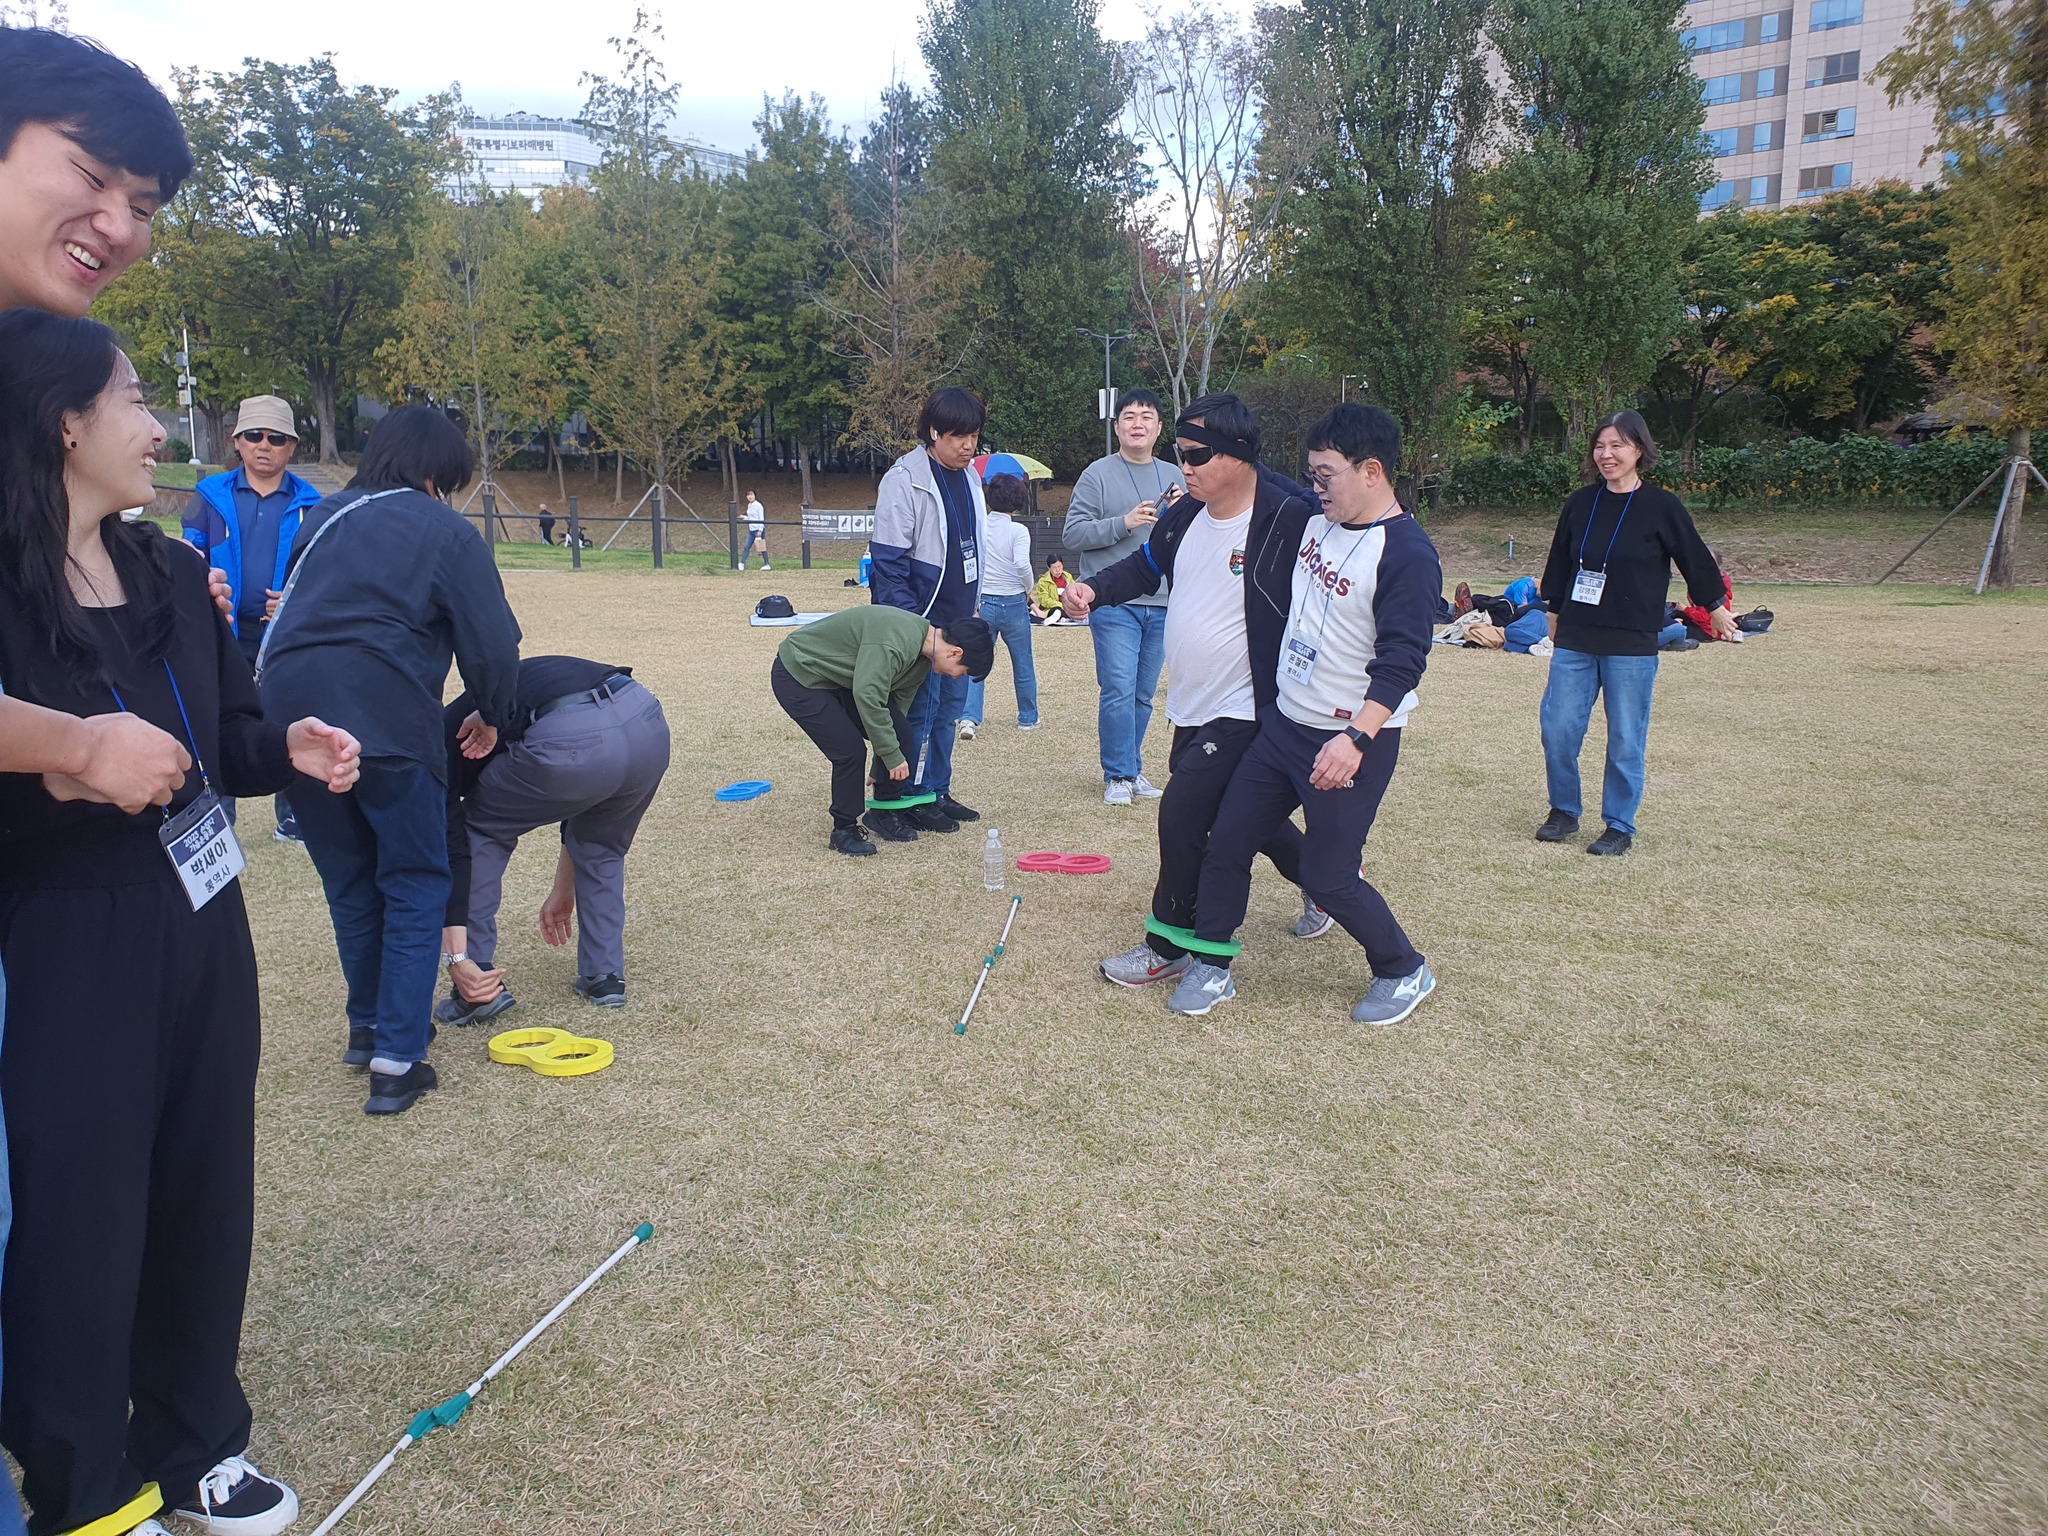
<point x="1792" y="112"/>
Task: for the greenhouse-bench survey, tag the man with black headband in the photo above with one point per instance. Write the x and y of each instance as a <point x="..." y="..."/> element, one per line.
<point x="1225" y="549"/>
<point x="1364" y="586"/>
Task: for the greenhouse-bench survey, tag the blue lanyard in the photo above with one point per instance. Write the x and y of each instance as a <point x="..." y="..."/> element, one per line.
<point x="1157" y="489"/>
<point x="1611" y="537"/>
<point x="196" y="760"/>
<point x="1330" y="597"/>
<point x="941" y="475"/>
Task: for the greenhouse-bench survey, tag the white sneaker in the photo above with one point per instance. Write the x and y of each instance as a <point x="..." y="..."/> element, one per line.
<point x="967" y="730"/>
<point x="235" y="1499"/>
<point x="1145" y="789"/>
<point x="149" y="1528"/>
<point x="1117" y="792"/>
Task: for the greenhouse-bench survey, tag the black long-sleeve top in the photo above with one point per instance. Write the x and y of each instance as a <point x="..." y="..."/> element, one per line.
<point x="51" y="844"/>
<point x="401" y="587"/>
<point x="542" y="680"/>
<point x="1656" y="531"/>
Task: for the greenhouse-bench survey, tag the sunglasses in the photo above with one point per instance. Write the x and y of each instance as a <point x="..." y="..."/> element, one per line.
<point x="1194" y="457"/>
<point x="275" y="439"/>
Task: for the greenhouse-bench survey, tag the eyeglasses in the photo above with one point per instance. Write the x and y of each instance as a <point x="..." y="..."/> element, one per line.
<point x="1194" y="457"/>
<point x="275" y="439"/>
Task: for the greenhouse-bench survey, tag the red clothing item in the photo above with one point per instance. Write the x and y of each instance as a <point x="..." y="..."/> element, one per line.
<point x="1697" y="616"/>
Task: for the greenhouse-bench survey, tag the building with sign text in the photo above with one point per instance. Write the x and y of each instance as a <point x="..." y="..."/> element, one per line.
<point x="520" y="152"/>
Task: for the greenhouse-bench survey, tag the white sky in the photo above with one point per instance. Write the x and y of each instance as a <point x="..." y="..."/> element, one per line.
<point x="528" y="54"/>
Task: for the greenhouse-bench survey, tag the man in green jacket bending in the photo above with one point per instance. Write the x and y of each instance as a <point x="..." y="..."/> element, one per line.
<point x="848" y="679"/>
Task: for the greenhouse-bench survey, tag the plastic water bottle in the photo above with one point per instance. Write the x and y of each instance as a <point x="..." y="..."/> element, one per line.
<point x="992" y="862"/>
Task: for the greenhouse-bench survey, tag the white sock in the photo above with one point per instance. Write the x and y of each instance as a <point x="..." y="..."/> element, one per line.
<point x="387" y="1065"/>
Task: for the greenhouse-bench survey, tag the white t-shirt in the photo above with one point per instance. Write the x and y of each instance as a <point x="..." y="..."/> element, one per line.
<point x="1332" y="631"/>
<point x="1208" y="660"/>
<point x="757" y="515"/>
<point x="1006" y="567"/>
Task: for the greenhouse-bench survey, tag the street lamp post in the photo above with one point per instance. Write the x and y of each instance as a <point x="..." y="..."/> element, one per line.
<point x="1108" y="339"/>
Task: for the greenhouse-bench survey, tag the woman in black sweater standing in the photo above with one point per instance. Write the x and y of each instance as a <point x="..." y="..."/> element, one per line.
<point x="129" y="1060"/>
<point x="1605" y="584"/>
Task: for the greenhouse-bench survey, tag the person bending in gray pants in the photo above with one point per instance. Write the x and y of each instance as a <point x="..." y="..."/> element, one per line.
<point x="587" y="750"/>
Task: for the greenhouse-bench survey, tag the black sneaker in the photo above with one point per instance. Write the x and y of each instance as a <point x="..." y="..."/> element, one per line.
<point x="454" y="1011"/>
<point x="1682" y="643"/>
<point x="1557" y="827"/>
<point x="392" y="1093"/>
<point x="236" y="1498"/>
<point x="362" y="1045"/>
<point x="890" y="826"/>
<point x="605" y="991"/>
<point x="1611" y="844"/>
<point x="955" y="809"/>
<point x="849" y="841"/>
<point x="929" y="818"/>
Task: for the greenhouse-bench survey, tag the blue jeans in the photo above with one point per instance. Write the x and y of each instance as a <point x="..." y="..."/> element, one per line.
<point x="1576" y="679"/>
<point x="1130" y="647"/>
<point x="1009" y="617"/>
<point x="929" y="725"/>
<point x="382" y="853"/>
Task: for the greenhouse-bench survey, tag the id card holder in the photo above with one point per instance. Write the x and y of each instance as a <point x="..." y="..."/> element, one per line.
<point x="200" y="843"/>
<point x="1299" y="664"/>
<point x="1587" y="587"/>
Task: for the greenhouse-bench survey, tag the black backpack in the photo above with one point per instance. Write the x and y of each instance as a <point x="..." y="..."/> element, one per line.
<point x="774" y="606"/>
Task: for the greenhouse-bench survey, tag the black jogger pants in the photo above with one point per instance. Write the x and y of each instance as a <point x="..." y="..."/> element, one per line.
<point x="1201" y="763"/>
<point x="828" y="716"/>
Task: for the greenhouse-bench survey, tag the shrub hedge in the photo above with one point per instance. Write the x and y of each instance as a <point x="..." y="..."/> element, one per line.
<point x="1802" y="472"/>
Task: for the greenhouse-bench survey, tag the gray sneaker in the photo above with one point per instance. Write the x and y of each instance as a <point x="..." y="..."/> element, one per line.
<point x="1142" y="965"/>
<point x="1202" y="988"/>
<point x="1390" y="999"/>
<point x="1314" y="922"/>
<point x="1117" y="792"/>
<point x="1145" y="789"/>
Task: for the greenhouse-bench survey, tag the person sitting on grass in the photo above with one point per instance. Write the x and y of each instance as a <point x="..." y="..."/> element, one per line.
<point x="849" y="680"/>
<point x="1045" y="597"/>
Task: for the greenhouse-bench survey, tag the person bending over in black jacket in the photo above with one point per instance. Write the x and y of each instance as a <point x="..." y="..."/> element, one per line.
<point x="1604" y="584"/>
<point x="129" y="1072"/>
<point x="388" y="585"/>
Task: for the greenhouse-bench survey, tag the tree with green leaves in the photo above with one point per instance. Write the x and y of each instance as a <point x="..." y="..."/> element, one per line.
<point x="662" y="378"/>
<point x="898" y="300"/>
<point x="778" y="220"/>
<point x="1385" y="105"/>
<point x="1889" y="246"/>
<point x="1600" y="189"/>
<point x="1035" y="171"/>
<point x="1984" y="65"/>
<point x="1498" y="318"/>
<point x="324" y="186"/>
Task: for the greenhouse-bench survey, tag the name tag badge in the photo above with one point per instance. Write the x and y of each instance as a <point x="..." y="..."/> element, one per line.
<point x="201" y="846"/>
<point x="1587" y="587"/>
<point x="970" y="565"/>
<point x="1299" y="664"/>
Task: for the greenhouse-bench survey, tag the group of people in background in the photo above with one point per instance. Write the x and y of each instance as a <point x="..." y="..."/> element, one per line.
<point x="288" y="645"/>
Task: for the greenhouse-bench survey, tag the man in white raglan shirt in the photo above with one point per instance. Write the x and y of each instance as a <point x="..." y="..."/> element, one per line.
<point x="757" y="533"/>
<point x="1366" y="584"/>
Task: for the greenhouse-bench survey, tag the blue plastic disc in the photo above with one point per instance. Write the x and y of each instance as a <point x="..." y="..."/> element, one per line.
<point x="745" y="789"/>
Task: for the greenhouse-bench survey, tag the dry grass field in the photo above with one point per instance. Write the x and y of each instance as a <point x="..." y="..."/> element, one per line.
<point x="1706" y="1195"/>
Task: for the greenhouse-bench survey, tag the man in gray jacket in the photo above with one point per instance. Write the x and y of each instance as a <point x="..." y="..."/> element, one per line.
<point x="1115" y="503"/>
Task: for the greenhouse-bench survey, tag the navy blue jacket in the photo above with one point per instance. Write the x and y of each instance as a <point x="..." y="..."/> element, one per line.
<point x="1280" y="515"/>
<point x="400" y="588"/>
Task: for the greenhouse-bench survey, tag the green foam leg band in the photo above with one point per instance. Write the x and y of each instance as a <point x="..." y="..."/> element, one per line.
<point x="452" y="1410"/>
<point x="1185" y="938"/>
<point x="903" y="803"/>
<point x="645" y="1231"/>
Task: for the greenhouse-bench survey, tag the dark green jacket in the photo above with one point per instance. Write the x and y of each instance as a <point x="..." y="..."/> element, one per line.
<point x="876" y="653"/>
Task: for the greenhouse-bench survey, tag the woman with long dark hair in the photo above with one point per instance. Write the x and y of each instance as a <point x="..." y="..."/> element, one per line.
<point x="129" y="1064"/>
<point x="388" y="585"/>
<point x="1604" y="584"/>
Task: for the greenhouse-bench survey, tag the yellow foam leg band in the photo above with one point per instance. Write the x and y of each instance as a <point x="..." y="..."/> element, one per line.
<point x="551" y="1052"/>
<point x="570" y="1058"/>
<point x="126" y="1518"/>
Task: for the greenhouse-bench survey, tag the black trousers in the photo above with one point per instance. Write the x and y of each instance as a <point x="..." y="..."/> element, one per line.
<point x="129" y="1075"/>
<point x="829" y="718"/>
<point x="1268" y="785"/>
<point x="1202" y="760"/>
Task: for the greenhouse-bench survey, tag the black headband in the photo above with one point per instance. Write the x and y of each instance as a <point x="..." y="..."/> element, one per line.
<point x="1236" y="447"/>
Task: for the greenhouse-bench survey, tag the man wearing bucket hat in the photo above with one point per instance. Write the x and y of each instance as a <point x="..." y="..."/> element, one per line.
<point x="244" y="522"/>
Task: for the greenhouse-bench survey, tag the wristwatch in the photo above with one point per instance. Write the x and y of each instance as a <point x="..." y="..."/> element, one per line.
<point x="1358" y="738"/>
<point x="454" y="959"/>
